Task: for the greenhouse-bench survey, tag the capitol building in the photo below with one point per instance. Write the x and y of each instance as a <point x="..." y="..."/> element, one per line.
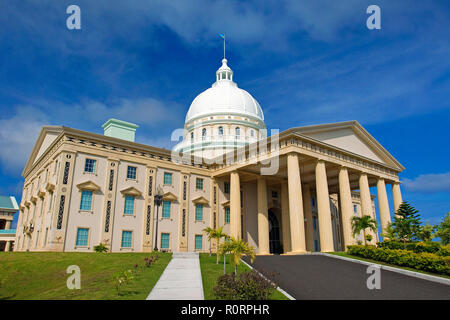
<point x="286" y="192"/>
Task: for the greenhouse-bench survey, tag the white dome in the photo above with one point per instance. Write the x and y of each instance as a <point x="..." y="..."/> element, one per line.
<point x="224" y="97"/>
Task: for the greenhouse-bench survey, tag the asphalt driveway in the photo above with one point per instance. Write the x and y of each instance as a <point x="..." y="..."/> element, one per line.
<point x="320" y="277"/>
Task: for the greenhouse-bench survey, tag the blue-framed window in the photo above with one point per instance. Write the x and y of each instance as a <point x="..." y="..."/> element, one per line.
<point x="89" y="165"/>
<point x="355" y="208"/>
<point x="198" y="242"/>
<point x="226" y="187"/>
<point x="314" y="223"/>
<point x="199" y="184"/>
<point x="199" y="212"/>
<point x="316" y="245"/>
<point x="167" y="178"/>
<point x="82" y="237"/>
<point x="86" y="200"/>
<point x="227" y="214"/>
<point x="131" y="172"/>
<point x="165" y="240"/>
<point x="127" y="237"/>
<point x="166" y="209"/>
<point x="128" y="208"/>
<point x="238" y="131"/>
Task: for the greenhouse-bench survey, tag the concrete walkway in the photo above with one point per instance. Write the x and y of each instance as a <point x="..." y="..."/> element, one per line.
<point x="181" y="280"/>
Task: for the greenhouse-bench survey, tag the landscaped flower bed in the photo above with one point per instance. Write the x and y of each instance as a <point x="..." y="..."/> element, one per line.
<point x="421" y="261"/>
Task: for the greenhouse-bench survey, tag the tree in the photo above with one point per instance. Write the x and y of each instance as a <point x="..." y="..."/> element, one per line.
<point x="426" y="232"/>
<point x="406" y="223"/>
<point x="443" y="230"/>
<point x="209" y="232"/>
<point x="389" y="232"/>
<point x="217" y="235"/>
<point x="361" y="224"/>
<point x="238" y="249"/>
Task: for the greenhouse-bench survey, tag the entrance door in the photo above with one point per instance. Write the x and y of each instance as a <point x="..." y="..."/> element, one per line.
<point x="274" y="234"/>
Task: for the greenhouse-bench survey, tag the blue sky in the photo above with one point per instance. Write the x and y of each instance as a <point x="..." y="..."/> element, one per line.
<point x="306" y="62"/>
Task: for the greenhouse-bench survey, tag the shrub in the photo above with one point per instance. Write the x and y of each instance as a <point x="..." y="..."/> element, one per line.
<point x="100" y="248"/>
<point x="121" y="278"/>
<point x="249" y="285"/>
<point x="421" y="261"/>
<point x="150" y="261"/>
<point x="417" y="247"/>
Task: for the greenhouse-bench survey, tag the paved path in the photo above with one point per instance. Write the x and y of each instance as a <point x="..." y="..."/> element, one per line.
<point x="322" y="277"/>
<point x="181" y="280"/>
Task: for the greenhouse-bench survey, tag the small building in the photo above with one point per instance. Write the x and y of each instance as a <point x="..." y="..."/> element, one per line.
<point x="8" y="207"/>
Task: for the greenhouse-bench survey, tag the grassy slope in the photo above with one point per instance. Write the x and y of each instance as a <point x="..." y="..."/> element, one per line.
<point x="344" y="254"/>
<point x="42" y="275"/>
<point x="211" y="271"/>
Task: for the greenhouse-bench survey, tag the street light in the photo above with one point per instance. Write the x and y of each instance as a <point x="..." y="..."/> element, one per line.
<point x="158" y="200"/>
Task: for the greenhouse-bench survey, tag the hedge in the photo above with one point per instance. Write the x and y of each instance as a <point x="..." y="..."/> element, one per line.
<point x="421" y="261"/>
<point x="417" y="247"/>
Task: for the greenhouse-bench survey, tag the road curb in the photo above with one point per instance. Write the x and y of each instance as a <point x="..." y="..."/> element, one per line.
<point x="278" y="288"/>
<point x="388" y="268"/>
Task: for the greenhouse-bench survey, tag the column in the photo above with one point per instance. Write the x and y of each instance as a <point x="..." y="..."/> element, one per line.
<point x="366" y="200"/>
<point x="307" y="206"/>
<point x="396" y="195"/>
<point x="285" y="225"/>
<point x="323" y="208"/>
<point x="8" y="246"/>
<point x="235" y="206"/>
<point x="383" y="205"/>
<point x="263" y="219"/>
<point x="8" y="224"/>
<point x="345" y="195"/>
<point x="296" y="219"/>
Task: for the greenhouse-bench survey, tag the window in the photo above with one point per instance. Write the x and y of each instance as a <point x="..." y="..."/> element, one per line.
<point x="82" y="237"/>
<point x="128" y="208"/>
<point x="199" y="184"/>
<point x="316" y="245"/>
<point x="238" y="131"/>
<point x="220" y="131"/>
<point x="165" y="240"/>
<point x="199" y="212"/>
<point x="227" y="214"/>
<point x="127" y="237"/>
<point x="203" y="133"/>
<point x="166" y="209"/>
<point x="89" y="165"/>
<point x="313" y="202"/>
<point x="355" y="208"/>
<point x="86" y="200"/>
<point x="252" y="133"/>
<point x="167" y="178"/>
<point x="226" y="187"/>
<point x="192" y="136"/>
<point x="274" y="194"/>
<point x="198" y="241"/>
<point x="131" y="172"/>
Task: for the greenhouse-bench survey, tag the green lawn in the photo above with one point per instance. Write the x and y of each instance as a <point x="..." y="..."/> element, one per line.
<point x="42" y="275"/>
<point x="345" y="254"/>
<point x="211" y="271"/>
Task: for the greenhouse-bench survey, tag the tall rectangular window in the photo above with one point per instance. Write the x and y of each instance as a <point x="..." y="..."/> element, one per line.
<point x="167" y="178"/>
<point x="86" y="200"/>
<point x="199" y="212"/>
<point x="166" y="209"/>
<point x="199" y="184"/>
<point x="227" y="214"/>
<point x="131" y="172"/>
<point x="129" y="205"/>
<point x="314" y="223"/>
<point x="226" y="187"/>
<point x="89" y="165"/>
<point x="198" y="242"/>
<point x="82" y="237"/>
<point x="127" y="237"/>
<point x="355" y="208"/>
<point x="165" y="240"/>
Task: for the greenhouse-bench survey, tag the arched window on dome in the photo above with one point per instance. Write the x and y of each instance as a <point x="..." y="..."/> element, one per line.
<point x="220" y="131"/>
<point x="238" y="132"/>
<point x="192" y="137"/>
<point x="252" y="133"/>
<point x="203" y="133"/>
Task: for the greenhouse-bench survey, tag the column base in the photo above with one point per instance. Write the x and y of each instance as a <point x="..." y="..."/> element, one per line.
<point x="264" y="254"/>
<point x="293" y="253"/>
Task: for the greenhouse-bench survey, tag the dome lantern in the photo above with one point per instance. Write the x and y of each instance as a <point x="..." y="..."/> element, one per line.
<point x="224" y="72"/>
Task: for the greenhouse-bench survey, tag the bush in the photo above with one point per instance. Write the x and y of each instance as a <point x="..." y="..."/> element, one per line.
<point x="247" y="286"/>
<point x="417" y="247"/>
<point x="421" y="261"/>
<point x="100" y="248"/>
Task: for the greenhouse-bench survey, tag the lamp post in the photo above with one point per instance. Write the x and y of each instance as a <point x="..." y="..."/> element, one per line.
<point x="158" y="200"/>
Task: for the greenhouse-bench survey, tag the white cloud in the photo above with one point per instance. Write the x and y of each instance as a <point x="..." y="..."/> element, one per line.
<point x="429" y="183"/>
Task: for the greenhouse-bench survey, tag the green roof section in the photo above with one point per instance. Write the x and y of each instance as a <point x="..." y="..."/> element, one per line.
<point x="8" y="203"/>
<point x="120" y="129"/>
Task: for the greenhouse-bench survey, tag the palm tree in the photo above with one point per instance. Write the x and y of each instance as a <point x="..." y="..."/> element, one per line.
<point x="210" y="233"/>
<point x="238" y="248"/>
<point x="361" y="224"/>
<point x="217" y="235"/>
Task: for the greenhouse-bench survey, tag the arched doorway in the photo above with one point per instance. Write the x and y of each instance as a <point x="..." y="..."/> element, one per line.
<point x="274" y="234"/>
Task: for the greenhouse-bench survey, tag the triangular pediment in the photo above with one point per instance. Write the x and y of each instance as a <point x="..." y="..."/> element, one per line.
<point x="88" y="185"/>
<point x="201" y="200"/>
<point x="131" y="191"/>
<point x="352" y="137"/>
<point x="169" y="196"/>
